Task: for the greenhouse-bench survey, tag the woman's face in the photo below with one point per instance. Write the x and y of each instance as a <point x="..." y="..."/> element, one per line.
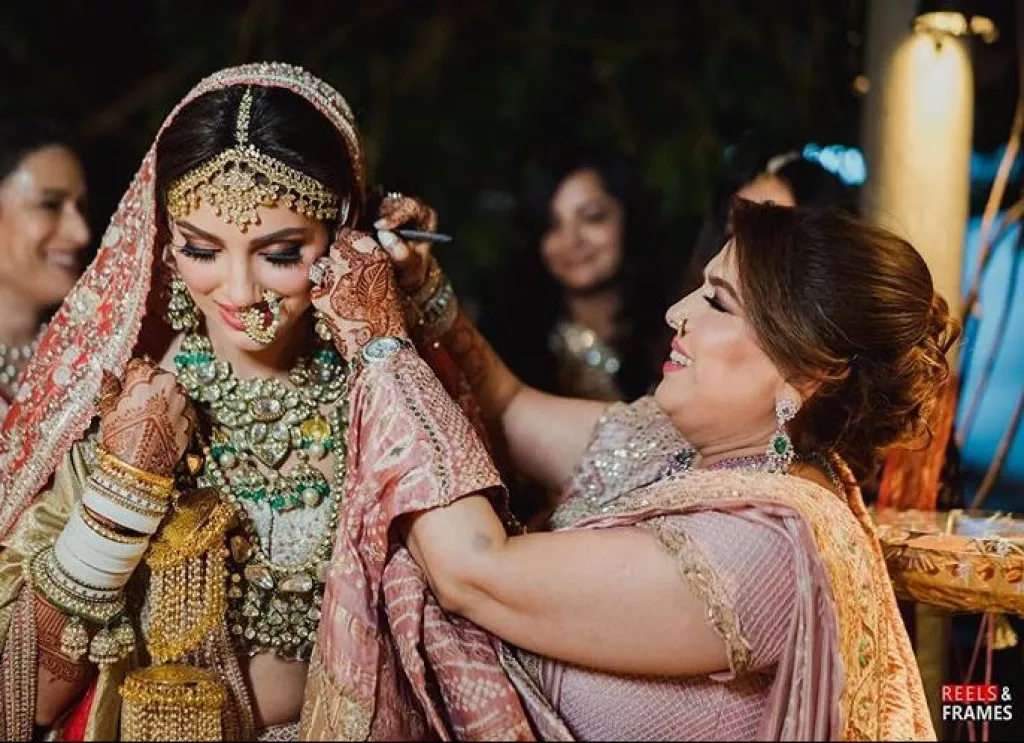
<point x="582" y="247"/>
<point x="43" y="229"/>
<point x="227" y="270"/>
<point x="719" y="387"/>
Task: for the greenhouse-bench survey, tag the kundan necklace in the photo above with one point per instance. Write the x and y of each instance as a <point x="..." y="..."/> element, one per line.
<point x="262" y="421"/>
<point x="257" y="424"/>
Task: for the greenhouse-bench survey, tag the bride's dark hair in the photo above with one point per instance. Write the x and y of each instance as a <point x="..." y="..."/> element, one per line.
<point x="282" y="124"/>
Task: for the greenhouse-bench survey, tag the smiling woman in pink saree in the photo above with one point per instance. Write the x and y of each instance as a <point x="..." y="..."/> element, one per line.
<point x="199" y="475"/>
<point x="710" y="572"/>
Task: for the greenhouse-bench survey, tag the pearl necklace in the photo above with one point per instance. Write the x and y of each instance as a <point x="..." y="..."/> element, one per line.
<point x="12" y="358"/>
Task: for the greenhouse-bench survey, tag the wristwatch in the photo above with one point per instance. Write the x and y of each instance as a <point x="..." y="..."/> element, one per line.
<point x="378" y="349"/>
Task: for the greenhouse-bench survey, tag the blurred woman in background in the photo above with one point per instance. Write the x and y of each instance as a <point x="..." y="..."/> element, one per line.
<point x="787" y="179"/>
<point x="43" y="234"/>
<point x="577" y="310"/>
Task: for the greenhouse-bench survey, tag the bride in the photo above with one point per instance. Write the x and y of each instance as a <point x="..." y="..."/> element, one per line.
<point x="194" y="541"/>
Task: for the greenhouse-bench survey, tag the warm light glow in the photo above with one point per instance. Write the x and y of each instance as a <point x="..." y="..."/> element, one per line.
<point x="953" y="23"/>
<point x="985" y="28"/>
<point x="942" y="22"/>
<point x="921" y="184"/>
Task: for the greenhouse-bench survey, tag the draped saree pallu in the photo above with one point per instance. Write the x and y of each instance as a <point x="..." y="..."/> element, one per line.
<point x="793" y="579"/>
<point x="387" y="663"/>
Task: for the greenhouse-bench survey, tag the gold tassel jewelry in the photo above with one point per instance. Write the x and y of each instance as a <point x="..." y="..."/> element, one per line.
<point x="172" y="702"/>
<point x="74" y="638"/>
<point x="176" y="701"/>
<point x="188" y="575"/>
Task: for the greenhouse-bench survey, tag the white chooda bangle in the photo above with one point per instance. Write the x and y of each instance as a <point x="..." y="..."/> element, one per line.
<point x="103" y="502"/>
<point x="96" y="550"/>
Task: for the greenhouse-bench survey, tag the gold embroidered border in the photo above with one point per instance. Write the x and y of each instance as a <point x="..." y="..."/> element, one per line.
<point x="882" y="697"/>
<point x="696" y="570"/>
<point x="18" y="671"/>
<point x="328" y="713"/>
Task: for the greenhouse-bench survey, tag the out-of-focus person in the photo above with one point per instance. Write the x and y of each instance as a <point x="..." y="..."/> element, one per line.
<point x="787" y="179"/>
<point x="43" y="234"/>
<point x="577" y="307"/>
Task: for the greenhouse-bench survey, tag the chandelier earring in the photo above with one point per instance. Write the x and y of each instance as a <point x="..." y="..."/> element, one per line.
<point x="321" y="326"/>
<point x="780" y="447"/>
<point x="181" y="310"/>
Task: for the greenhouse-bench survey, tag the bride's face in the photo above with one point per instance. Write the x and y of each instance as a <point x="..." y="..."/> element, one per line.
<point x="227" y="270"/>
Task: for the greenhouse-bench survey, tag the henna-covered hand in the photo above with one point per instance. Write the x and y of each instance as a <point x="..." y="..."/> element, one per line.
<point x="357" y="293"/>
<point x="146" y="420"/>
<point x="412" y="259"/>
<point x="50" y="624"/>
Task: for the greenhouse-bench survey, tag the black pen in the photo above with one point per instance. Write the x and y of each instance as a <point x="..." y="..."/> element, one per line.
<point x="419" y="235"/>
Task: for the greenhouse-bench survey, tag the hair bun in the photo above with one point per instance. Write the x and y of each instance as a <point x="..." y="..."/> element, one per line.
<point x="914" y="381"/>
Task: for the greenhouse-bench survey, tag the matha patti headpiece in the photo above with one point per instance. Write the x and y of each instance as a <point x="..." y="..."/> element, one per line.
<point x="241" y="179"/>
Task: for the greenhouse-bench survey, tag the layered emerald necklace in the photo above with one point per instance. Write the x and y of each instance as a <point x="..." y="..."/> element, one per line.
<point x="265" y="421"/>
<point x="258" y="425"/>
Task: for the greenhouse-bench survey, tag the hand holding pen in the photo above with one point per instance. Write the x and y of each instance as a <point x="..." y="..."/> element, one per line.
<point x="406" y="229"/>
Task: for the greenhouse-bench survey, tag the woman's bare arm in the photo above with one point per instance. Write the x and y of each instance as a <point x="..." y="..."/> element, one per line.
<point x="612" y="599"/>
<point x="545" y="435"/>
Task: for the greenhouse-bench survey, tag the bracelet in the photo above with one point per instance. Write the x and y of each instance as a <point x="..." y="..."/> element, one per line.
<point x="105" y="531"/>
<point x="439" y="313"/>
<point x="121" y="509"/>
<point x="76" y="567"/>
<point x="125" y="495"/>
<point x="85" y="602"/>
<point x="86" y="541"/>
<point x="85" y="583"/>
<point x="81" y="604"/>
<point x="156" y="485"/>
<point x="79" y="545"/>
<point x="430" y="285"/>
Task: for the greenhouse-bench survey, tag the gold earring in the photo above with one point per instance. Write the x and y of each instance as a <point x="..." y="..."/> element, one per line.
<point x="181" y="310"/>
<point x="321" y="327"/>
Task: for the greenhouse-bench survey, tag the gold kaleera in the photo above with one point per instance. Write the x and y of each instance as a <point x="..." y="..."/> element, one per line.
<point x="172" y="702"/>
<point x="188" y="574"/>
<point x="241" y="179"/>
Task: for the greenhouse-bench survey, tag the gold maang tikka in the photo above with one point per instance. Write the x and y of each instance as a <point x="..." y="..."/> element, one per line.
<point x="239" y="180"/>
<point x="254" y="318"/>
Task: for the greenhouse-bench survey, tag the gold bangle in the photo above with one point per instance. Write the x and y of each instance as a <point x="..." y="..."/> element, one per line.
<point x="141" y="489"/>
<point x="432" y="282"/>
<point x="120" y="470"/>
<point x="105" y="531"/>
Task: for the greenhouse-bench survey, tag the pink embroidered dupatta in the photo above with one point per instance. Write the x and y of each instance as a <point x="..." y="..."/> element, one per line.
<point x="848" y="672"/>
<point x="387" y="660"/>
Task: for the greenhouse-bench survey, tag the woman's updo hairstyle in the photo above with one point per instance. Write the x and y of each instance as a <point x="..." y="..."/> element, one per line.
<point x="851" y="309"/>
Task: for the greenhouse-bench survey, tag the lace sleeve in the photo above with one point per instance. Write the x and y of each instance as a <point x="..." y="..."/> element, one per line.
<point x="629" y="448"/>
<point x="741" y="565"/>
